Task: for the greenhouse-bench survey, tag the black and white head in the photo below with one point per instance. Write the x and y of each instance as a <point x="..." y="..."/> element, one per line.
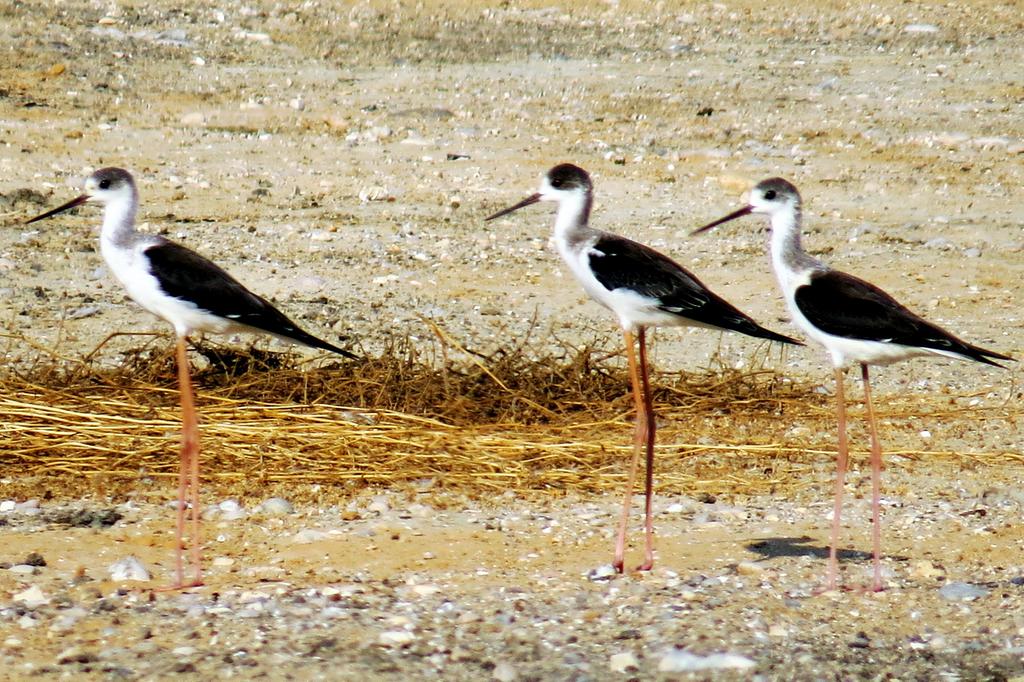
<point x="565" y="183"/>
<point x="563" y="180"/>
<point x="106" y="186"/>
<point x="774" y="195"/>
<point x="770" y="197"/>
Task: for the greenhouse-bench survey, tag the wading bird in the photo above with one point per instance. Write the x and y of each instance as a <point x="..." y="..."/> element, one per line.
<point x="858" y="323"/>
<point x="643" y="288"/>
<point x="194" y="295"/>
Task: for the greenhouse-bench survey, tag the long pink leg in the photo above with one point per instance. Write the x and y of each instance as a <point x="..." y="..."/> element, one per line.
<point x="189" y="476"/>
<point x="179" y="540"/>
<point x="876" y="484"/>
<point x="618" y="562"/>
<point x="842" y="455"/>
<point x="646" y="423"/>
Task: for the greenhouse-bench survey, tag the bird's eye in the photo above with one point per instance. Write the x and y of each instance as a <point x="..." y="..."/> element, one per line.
<point x="769" y="195"/>
<point x="556" y="183"/>
<point x="104" y="184"/>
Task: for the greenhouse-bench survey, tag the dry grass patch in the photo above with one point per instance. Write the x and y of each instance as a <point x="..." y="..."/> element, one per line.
<point x="478" y="425"/>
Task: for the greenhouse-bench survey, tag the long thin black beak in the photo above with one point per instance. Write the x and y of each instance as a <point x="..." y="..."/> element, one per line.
<point x="532" y="199"/>
<point x="77" y="201"/>
<point x="746" y="210"/>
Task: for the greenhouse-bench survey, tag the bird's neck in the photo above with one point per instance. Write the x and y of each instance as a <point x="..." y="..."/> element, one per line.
<point x="119" y="222"/>
<point x="572" y="217"/>
<point x="789" y="260"/>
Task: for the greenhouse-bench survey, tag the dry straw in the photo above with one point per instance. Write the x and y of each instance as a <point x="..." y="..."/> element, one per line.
<point x="476" y="424"/>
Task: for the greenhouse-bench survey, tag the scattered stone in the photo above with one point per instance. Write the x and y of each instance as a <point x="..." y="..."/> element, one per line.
<point x="377" y="193"/>
<point x="860" y="641"/>
<point x="938" y="243"/>
<point x="602" y="572"/>
<point x="621" y="662"/>
<point x="254" y="36"/>
<point x="275" y="506"/>
<point x="32" y="597"/>
<point x="84" y="518"/>
<point x="231" y="510"/>
<point x="265" y="573"/>
<point x="67" y="621"/>
<point x="505" y="672"/>
<point x="681" y="661"/>
<point x="425" y="590"/>
<point x="83" y="312"/>
<point x="128" y="569"/>
<point x="959" y="591"/>
<point x="76" y="654"/>
<point x="308" y="536"/>
<point x="395" y="638"/>
<point x="23" y="569"/>
<point x="749" y="568"/>
<point x="193" y="118"/>
<point x="34" y="559"/>
<point x="926" y="570"/>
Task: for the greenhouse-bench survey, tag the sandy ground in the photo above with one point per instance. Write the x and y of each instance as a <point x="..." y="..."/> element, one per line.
<point x="340" y="161"/>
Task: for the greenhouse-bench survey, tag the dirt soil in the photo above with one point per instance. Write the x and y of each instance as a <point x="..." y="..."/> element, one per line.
<point x="340" y="160"/>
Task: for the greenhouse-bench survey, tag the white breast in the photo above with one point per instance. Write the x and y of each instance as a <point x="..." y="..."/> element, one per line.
<point x="131" y="267"/>
<point x="632" y="309"/>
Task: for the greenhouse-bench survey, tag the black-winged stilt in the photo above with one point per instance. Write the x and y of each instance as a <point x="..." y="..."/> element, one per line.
<point x="858" y="323"/>
<point x="194" y="295"/>
<point x="643" y="288"/>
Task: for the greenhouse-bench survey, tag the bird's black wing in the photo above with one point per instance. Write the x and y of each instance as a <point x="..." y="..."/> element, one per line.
<point x="184" y="274"/>
<point x="847" y="306"/>
<point x="620" y="263"/>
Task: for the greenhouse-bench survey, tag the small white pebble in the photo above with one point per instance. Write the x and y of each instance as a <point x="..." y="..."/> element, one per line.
<point x="129" y="568"/>
<point x="504" y="672"/>
<point x="22" y="569"/>
<point x="681" y="661"/>
<point x="395" y="637"/>
<point x="621" y="662"/>
<point x="308" y="535"/>
<point x="426" y="590"/>
<point x="275" y="506"/>
<point x="32" y="597"/>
